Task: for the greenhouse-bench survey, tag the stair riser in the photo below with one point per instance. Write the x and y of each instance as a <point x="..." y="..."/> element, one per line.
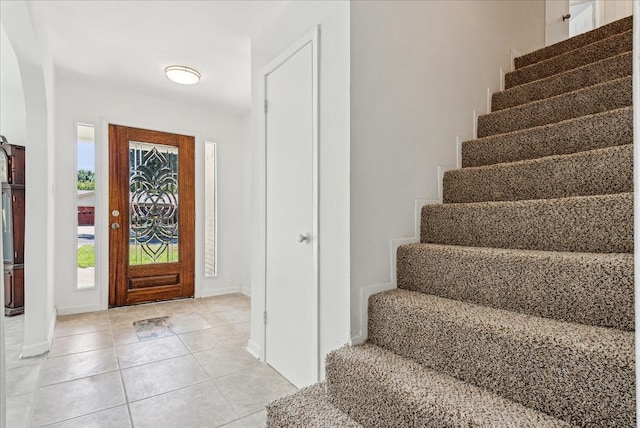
<point x="589" y="54"/>
<point x="580" y="385"/>
<point x="592" y="289"/>
<point x="409" y="395"/>
<point x="598" y="224"/>
<point x="592" y="74"/>
<point x="607" y="129"/>
<point x="584" y="39"/>
<point x="595" y="172"/>
<point x="309" y="407"/>
<point x="594" y="99"/>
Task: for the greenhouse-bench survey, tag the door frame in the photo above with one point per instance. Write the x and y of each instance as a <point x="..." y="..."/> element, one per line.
<point x="102" y="198"/>
<point x="313" y="38"/>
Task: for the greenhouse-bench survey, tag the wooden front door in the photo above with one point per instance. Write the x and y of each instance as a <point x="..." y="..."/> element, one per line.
<point x="151" y="216"/>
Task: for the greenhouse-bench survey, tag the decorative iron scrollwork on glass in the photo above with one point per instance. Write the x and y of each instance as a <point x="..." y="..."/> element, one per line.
<point x="153" y="228"/>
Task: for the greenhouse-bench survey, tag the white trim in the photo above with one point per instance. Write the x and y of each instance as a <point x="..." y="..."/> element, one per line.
<point x="70" y="310"/>
<point x="313" y="38"/>
<point x="514" y="54"/>
<point x="502" y="78"/>
<point x="254" y="349"/>
<point x="40" y="348"/>
<point x="215" y="207"/>
<point x="489" y="94"/>
<point x="219" y="291"/>
<point x="102" y="201"/>
<point x="441" y="170"/>
<point x="368" y="290"/>
<point x="75" y="241"/>
<point x="474" y="126"/>
<point x="458" y="152"/>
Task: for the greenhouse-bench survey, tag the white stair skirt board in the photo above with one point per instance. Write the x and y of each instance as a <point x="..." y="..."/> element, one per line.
<point x="367" y="291"/>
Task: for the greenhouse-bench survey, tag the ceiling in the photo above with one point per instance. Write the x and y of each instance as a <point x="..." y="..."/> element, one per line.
<point x="129" y="43"/>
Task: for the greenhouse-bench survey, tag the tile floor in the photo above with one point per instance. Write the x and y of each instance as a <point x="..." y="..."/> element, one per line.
<point x="187" y="367"/>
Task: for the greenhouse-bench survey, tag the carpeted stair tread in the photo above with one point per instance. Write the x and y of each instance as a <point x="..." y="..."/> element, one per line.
<point x="588" y="288"/>
<point x="589" y="224"/>
<point x="605" y="96"/>
<point x="606" y="31"/>
<point x="379" y="388"/>
<point x="309" y="407"/>
<point x="593" y="172"/>
<point x="581" y="374"/>
<point x="612" y="46"/>
<point x="610" y="128"/>
<point x="572" y="80"/>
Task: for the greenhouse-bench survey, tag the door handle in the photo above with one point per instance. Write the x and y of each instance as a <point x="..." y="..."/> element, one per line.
<point x="565" y="17"/>
<point x="115" y="226"/>
<point x="304" y="238"/>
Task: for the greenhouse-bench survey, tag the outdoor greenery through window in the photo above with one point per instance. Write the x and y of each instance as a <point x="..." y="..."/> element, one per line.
<point x="85" y="202"/>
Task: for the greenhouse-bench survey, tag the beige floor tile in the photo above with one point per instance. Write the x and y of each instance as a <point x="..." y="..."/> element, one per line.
<point x="135" y="354"/>
<point x="250" y="390"/>
<point x="18" y="410"/>
<point x="210" y="338"/>
<point x="222" y="303"/>
<point x="22" y="380"/>
<point x="185" y="323"/>
<point x="67" y="400"/>
<point x="80" y="343"/>
<point x="13" y="357"/>
<point x="79" y="326"/>
<point x="226" y="359"/>
<point x="184" y="306"/>
<point x="125" y="335"/>
<point x="256" y="420"/>
<point x="116" y="417"/>
<point x="162" y="376"/>
<point x="75" y="366"/>
<point x="234" y="316"/>
<point x="200" y="405"/>
<point x="243" y="329"/>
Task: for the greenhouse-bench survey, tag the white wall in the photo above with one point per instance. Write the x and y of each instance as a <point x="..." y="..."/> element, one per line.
<point x="612" y="10"/>
<point x="12" y="110"/>
<point x="38" y="80"/>
<point x="94" y="103"/>
<point x="418" y="71"/>
<point x="294" y="20"/>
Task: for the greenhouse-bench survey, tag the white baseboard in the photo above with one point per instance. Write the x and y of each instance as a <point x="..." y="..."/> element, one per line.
<point x="39" y="348"/>
<point x="253" y="348"/>
<point x="458" y="152"/>
<point x="474" y="126"/>
<point x="489" y="94"/>
<point x="501" y="79"/>
<point x="368" y="290"/>
<point x="441" y="170"/>
<point x="70" y="310"/>
<point x="365" y="293"/>
<point x="219" y="291"/>
<point x="246" y="290"/>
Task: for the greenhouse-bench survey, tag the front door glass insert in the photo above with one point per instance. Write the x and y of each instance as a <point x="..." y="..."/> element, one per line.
<point x="153" y="206"/>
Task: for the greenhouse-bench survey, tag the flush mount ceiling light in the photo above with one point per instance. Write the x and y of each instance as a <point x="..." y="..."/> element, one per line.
<point x="182" y="74"/>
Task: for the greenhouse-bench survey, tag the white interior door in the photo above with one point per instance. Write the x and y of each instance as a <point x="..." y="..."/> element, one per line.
<point x="583" y="17"/>
<point x="556" y="29"/>
<point x="291" y="241"/>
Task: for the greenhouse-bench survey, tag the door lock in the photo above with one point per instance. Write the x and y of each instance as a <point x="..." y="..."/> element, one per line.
<point x="115" y="226"/>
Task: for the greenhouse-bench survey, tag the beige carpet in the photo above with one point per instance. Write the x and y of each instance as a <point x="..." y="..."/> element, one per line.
<point x="516" y="309"/>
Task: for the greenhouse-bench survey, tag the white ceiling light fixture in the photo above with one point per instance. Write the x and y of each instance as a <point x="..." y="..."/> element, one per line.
<point x="182" y="74"/>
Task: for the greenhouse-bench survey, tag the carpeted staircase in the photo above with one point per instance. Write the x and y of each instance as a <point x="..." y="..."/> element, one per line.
<point x="516" y="309"/>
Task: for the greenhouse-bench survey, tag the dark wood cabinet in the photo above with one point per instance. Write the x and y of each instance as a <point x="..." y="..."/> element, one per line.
<point x="12" y="177"/>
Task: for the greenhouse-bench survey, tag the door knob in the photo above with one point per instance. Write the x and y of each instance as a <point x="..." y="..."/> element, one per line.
<point x="565" y="17"/>
<point x="115" y="226"/>
<point x="303" y="238"/>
